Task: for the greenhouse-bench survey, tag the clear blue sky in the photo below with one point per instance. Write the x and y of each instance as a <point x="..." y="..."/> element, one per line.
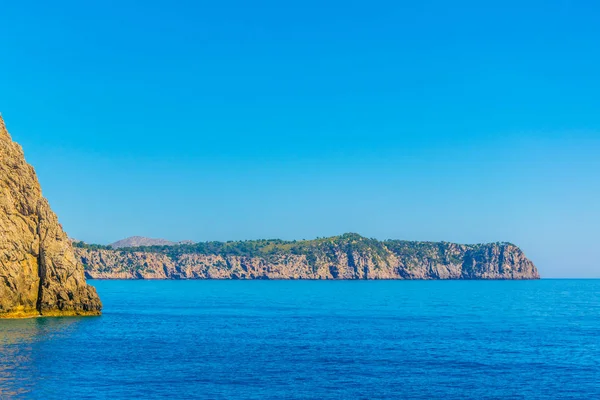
<point x="462" y="121"/>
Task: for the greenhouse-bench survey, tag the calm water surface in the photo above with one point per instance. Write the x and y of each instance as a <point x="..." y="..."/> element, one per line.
<point x="314" y="340"/>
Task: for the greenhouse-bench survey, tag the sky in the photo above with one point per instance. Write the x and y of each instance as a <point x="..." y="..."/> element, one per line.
<point x="461" y="121"/>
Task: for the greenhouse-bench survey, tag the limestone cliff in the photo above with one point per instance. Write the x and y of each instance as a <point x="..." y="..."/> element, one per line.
<point x="39" y="273"/>
<point x="349" y="256"/>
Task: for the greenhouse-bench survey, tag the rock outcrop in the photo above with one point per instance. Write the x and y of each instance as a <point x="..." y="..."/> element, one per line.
<point x="349" y="256"/>
<point x="39" y="273"/>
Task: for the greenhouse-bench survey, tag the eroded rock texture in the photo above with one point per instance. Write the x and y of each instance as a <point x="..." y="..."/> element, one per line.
<point x="349" y="256"/>
<point x="39" y="273"/>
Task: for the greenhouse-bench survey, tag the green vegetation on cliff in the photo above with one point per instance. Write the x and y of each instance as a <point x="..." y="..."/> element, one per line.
<point x="84" y="245"/>
<point x="348" y="256"/>
<point x="348" y="242"/>
<point x="263" y="247"/>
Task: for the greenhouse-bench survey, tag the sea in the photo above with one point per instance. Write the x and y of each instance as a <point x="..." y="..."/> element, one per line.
<point x="211" y="339"/>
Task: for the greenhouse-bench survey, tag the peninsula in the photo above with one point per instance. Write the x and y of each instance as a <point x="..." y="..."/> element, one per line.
<point x="349" y="256"/>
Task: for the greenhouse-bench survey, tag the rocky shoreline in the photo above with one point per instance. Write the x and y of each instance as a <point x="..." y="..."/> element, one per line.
<point x="39" y="273"/>
<point x="348" y="256"/>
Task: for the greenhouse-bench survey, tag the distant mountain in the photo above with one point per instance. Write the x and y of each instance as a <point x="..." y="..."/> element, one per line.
<point x="137" y="241"/>
<point x="349" y="256"/>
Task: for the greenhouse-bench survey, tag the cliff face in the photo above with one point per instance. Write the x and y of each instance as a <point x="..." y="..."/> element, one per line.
<point x="39" y="273"/>
<point x="344" y="257"/>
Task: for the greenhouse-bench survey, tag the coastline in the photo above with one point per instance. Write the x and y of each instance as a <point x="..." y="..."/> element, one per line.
<point x="330" y="280"/>
<point x="49" y="314"/>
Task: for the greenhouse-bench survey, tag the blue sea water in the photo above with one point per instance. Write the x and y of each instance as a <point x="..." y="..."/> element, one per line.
<point x="314" y="340"/>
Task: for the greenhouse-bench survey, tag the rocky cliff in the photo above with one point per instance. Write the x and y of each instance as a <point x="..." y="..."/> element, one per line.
<point x="349" y="256"/>
<point x="39" y="273"/>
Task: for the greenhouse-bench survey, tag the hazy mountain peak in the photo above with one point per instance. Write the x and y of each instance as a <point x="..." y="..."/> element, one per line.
<point x="136" y="241"/>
